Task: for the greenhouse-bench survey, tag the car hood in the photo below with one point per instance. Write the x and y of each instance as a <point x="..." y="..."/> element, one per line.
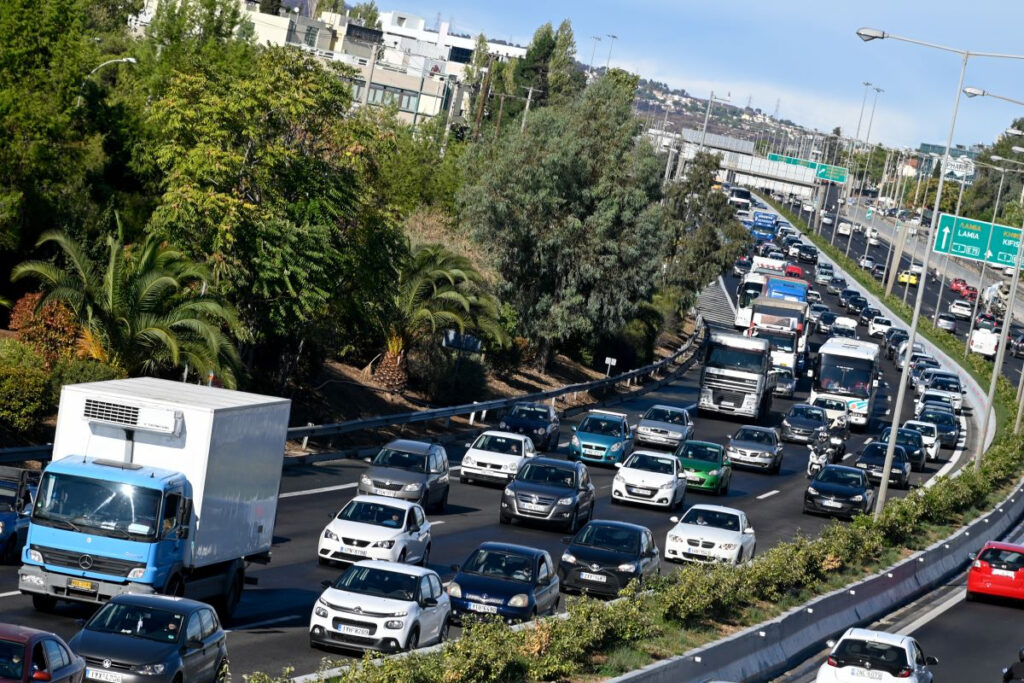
<point x="588" y="555"/>
<point x="751" y="446"/>
<point x="667" y="426"/>
<point x="475" y="586"/>
<point x="839" y="490"/>
<point x="699" y="465"/>
<point x="635" y="477"/>
<point x="803" y="422"/>
<point x="707" y="533"/>
<point x="361" y="531"/>
<point x="121" y="648"/>
<point x="397" y="475"/>
<point x="367" y="603"/>
<point x="602" y="439"/>
<point x="492" y="457"/>
<point x="541" y="489"/>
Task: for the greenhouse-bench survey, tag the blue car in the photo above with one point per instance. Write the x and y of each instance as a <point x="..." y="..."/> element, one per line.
<point x="603" y="437"/>
<point x="17" y="491"/>
<point x="512" y="582"/>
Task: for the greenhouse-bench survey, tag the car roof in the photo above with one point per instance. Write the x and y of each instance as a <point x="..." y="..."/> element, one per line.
<point x="758" y="428"/>
<point x="20" y="634"/>
<point x="529" y="404"/>
<point x="420" y="447"/>
<point x="542" y="460"/>
<point x="665" y="406"/>
<point x="1001" y="546"/>
<point x="877" y="636"/>
<point x="716" y="508"/>
<point x="507" y="435"/>
<point x="399" y="567"/>
<point x="844" y="468"/>
<point x="385" y="500"/>
<point x="156" y="601"/>
<point x="607" y="413"/>
<point x="512" y="548"/>
<point x="619" y="524"/>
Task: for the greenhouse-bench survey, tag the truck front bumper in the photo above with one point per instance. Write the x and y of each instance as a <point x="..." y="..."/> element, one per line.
<point x="35" y="580"/>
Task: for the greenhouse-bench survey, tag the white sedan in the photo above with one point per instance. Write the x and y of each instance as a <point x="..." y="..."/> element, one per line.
<point x="378" y="528"/>
<point x="381" y="606"/>
<point x="711" y="533"/>
<point x="866" y="262"/>
<point x="650" y="478"/>
<point x="495" y="456"/>
<point x="929" y="436"/>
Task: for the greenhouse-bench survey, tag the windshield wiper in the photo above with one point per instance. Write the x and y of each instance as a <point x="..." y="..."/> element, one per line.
<point x="66" y="522"/>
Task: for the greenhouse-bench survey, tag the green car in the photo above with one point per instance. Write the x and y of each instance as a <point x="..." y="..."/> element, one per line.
<point x="706" y="465"/>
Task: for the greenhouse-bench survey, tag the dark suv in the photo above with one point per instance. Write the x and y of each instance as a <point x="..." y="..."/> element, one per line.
<point x="549" y="490"/>
<point x="808" y="253"/>
<point x="410" y="470"/>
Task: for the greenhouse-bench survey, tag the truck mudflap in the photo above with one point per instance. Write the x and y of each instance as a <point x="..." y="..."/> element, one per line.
<point x="34" y="580"/>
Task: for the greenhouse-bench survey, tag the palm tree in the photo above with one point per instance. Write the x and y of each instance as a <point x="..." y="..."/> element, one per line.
<point x="437" y="290"/>
<point x="147" y="312"/>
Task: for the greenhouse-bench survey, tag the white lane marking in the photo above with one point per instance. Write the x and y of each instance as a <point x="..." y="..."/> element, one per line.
<point x="936" y="611"/>
<point x="721" y="283"/>
<point x="10" y="594"/>
<point x="440" y="521"/>
<point x="768" y="495"/>
<point x="266" y="622"/>
<point x="325" y="489"/>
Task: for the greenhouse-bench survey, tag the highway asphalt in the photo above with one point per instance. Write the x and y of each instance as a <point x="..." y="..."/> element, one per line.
<point x="268" y="631"/>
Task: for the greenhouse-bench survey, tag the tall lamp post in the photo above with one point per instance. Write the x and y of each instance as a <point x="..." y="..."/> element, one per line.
<point x="867" y="161"/>
<point x="121" y="60"/>
<point x="707" y="115"/>
<point x="869" y="34"/>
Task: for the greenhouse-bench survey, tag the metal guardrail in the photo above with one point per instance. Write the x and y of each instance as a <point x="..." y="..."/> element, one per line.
<point x="333" y="429"/>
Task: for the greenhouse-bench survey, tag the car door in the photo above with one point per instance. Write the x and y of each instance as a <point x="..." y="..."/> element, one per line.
<point x="214" y="642"/>
<point x="586" y="489"/>
<point x="747" y="540"/>
<point x="545" y="593"/>
<point x="433" y="482"/>
<point x="430" y="612"/>
<point x="193" y="657"/>
<point x="418" y="530"/>
<point x="58" y="661"/>
<point x="443" y="604"/>
<point x="443" y="471"/>
<point x="649" y="555"/>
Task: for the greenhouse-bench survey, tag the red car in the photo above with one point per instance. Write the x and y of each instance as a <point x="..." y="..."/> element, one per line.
<point x="957" y="284"/>
<point x="969" y="293"/>
<point x="794" y="271"/>
<point x="30" y="655"/>
<point x="997" y="570"/>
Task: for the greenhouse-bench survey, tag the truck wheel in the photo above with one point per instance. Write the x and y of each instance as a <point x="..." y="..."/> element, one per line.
<point x="44" y="603"/>
<point x="229" y="603"/>
<point x="174" y="587"/>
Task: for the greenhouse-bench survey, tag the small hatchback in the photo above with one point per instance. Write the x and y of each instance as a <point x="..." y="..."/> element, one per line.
<point x="30" y="655"/>
<point x="862" y="655"/>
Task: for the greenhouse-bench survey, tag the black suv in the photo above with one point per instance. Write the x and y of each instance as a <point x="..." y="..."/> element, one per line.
<point x="808" y="253"/>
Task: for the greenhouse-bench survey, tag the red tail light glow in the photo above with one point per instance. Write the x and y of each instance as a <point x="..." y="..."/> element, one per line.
<point x="905" y="672"/>
<point x="832" y="661"/>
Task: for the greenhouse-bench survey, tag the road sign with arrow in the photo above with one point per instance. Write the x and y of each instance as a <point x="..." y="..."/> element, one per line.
<point x="977" y="240"/>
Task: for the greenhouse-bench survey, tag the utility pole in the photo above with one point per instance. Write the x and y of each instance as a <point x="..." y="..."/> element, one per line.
<point x="369" y="78"/>
<point x="612" y="39"/>
<point x="501" y="110"/>
<point x="529" y="98"/>
<point x="456" y="91"/>
<point x="484" y="90"/>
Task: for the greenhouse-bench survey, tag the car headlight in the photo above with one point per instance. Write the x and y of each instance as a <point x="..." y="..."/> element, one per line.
<point x="502" y="425"/>
<point x="365" y="479"/>
<point x="394" y="623"/>
<point x="728" y="546"/>
<point x="575" y="441"/>
<point x="466" y="460"/>
<point x="512" y="467"/>
<point x="148" y="669"/>
<point x="539" y="430"/>
<point x="857" y="499"/>
<point x="412" y="487"/>
<point x="565" y="501"/>
<point x="811" y="490"/>
<point x="617" y="446"/>
<point x="385" y="544"/>
<point x="35" y="556"/>
<point x="667" y="485"/>
<point x="508" y="491"/>
<point x="568" y="558"/>
<point x="1" y="527"/>
<point x="137" y="573"/>
<point x="520" y="600"/>
<point x="331" y="535"/>
<point x="627" y="567"/>
<point x="320" y="612"/>
<point x="619" y="479"/>
<point x="714" y="473"/>
<point x="454" y="590"/>
<point x="675" y="539"/>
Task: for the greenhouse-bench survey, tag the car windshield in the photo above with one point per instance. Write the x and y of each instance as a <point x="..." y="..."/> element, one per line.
<point x="135" y="621"/>
<point x="8" y="493"/>
<point x="549" y="475"/>
<point x="106" y="508"/>
<point x="807" y="412"/>
<point x="936" y="398"/>
<point x="922" y="428"/>
<point x="884" y="322"/>
<point x="753" y="435"/>
<point x="875" y="453"/>
<point x="381" y="583"/>
<point x="500" y="564"/>
<point x="845" y="375"/>
<point x="607" y="426"/>
<point x="838" y="282"/>
<point x="831" y="475"/>
<point x="945" y="384"/>
<point x="819" y="308"/>
<point x="938" y="417"/>
<point x="748" y="293"/>
<point x="494" y="443"/>
<point x="659" y="464"/>
<point x="12" y="664"/>
<point x="401" y="460"/>
<point x="700" y="451"/>
<point x="1001" y="558"/>
<point x="611" y="537"/>
<point x="676" y="417"/>
<point x="904" y="437"/>
<point x="843" y="332"/>
<point x="729" y="358"/>
<point x="525" y="412"/>
<point x="830" y="403"/>
<point x="783" y="373"/>
<point x="712" y="518"/>
<point x="871" y="655"/>
<point x="366" y="512"/>
<point x="828" y="317"/>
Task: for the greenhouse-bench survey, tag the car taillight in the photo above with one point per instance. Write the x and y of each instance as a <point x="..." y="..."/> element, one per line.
<point x="905" y="672"/>
<point x="982" y="564"/>
<point x="831" y="661"/>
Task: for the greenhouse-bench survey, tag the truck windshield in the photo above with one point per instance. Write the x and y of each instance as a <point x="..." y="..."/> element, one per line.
<point x="729" y="358"/>
<point x="843" y="375"/>
<point x="105" y="507"/>
<point x="748" y="292"/>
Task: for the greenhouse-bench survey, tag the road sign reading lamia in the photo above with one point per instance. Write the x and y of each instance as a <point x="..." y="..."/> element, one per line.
<point x="977" y="240"/>
<point x="835" y="174"/>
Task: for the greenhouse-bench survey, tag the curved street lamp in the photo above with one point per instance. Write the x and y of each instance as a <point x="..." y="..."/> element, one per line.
<point x="121" y="60"/>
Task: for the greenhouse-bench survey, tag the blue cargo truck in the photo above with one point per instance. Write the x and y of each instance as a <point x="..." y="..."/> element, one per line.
<point x="155" y="487"/>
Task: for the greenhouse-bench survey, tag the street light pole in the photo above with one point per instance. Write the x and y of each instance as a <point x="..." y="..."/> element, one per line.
<point x="121" y="60"/>
<point x="611" y="41"/>
<point x="867" y="162"/>
<point x="945" y="260"/>
<point x="590" y="70"/>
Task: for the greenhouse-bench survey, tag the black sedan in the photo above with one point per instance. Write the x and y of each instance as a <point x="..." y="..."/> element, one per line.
<point x="878" y="272"/>
<point x="808" y="253"/>
<point x="892" y="340"/>
<point x="945" y="422"/>
<point x="912" y="443"/>
<point x="802" y="423"/>
<point x="867" y="314"/>
<point x="549" y="490"/>
<point x="846" y="295"/>
<point x="856" y="304"/>
<point x="839" y="490"/>
<point x="825" y="320"/>
<point x="872" y="461"/>
<point x="606" y="555"/>
<point x="539" y="421"/>
<point x="514" y="582"/>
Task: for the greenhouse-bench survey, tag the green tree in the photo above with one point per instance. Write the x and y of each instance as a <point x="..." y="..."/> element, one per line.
<point x="270" y="7"/>
<point x="532" y="68"/>
<point x="149" y="310"/>
<point x="567" y="211"/>
<point x="474" y="73"/>
<point x="437" y="290"/>
<point x="565" y="80"/>
<point x="367" y="14"/>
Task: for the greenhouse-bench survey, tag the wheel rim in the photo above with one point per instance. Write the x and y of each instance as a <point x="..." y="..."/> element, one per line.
<point x="401" y="557"/>
<point x="414" y="639"/>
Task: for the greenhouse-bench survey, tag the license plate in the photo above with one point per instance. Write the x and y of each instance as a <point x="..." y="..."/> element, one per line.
<point x="354" y="551"/>
<point x="83" y="585"/>
<point x="594" y="451"/>
<point x="485" y="609"/>
<point x="599" y="578"/>
<point x="870" y="674"/>
<point x="831" y="504"/>
<point x="532" y="507"/>
<point x="385" y="492"/>
<point x="354" y="630"/>
<point x="97" y="675"/>
<point x="697" y="550"/>
<point x="640" y="492"/>
<point x="693" y="477"/>
<point x="1003" y="572"/>
<point x="728" y="404"/>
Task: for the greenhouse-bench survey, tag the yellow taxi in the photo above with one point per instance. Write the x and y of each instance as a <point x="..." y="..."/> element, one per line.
<point x="906" y="277"/>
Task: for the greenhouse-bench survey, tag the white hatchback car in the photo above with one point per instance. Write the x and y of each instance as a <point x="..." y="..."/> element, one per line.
<point x="495" y="456"/>
<point x="651" y="478"/>
<point x="378" y="528"/>
<point x="711" y="533"/>
<point x="929" y="436"/>
<point x="863" y="655"/>
<point x="878" y="326"/>
<point x="866" y="262"/>
<point x="844" y="228"/>
<point x="381" y="606"/>
<point x="962" y="309"/>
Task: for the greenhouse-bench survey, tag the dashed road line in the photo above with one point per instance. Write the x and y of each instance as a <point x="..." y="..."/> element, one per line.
<point x="769" y="494"/>
<point x="311" y="492"/>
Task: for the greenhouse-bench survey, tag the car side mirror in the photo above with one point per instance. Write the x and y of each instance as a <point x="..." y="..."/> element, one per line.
<point x="830" y="643"/>
<point x="455" y="567"/>
<point x="469" y="445"/>
<point x="574" y="428"/>
<point x="653" y="552"/>
<point x="194" y="644"/>
<point x="963" y="391"/>
<point x="544" y="581"/>
<point x="931" y="661"/>
<point x="972" y="556"/>
<point x="326" y="583"/>
<point x="367" y="459"/>
<point x="749" y="530"/>
<point x="681" y="475"/>
<point x="428" y="602"/>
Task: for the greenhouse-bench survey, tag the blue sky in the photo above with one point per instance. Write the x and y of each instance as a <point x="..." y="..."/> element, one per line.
<point x="804" y="53"/>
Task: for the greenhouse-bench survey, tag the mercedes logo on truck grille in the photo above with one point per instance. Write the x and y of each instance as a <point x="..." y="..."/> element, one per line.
<point x="85" y="562"/>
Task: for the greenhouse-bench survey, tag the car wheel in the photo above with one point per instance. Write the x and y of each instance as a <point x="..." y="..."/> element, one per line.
<point x="970" y="596"/>
<point x="223" y="669"/>
<point x="443" y="503"/>
<point x="442" y="635"/>
<point x="414" y="639"/>
<point x="401" y="557"/>
<point x="573" y="524"/>
<point x="426" y="556"/>
<point x="777" y="467"/>
<point x="552" y="443"/>
<point x="725" y="488"/>
<point x="503" y="518"/>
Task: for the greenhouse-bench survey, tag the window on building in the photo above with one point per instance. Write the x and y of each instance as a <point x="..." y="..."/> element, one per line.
<point x="311" y="35"/>
<point x="409" y="100"/>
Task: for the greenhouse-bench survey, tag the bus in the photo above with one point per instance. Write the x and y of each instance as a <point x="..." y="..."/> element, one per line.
<point x="848" y="369"/>
<point x="747" y="292"/>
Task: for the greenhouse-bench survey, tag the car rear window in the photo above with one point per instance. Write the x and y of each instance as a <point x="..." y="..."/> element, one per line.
<point x="869" y="654"/>
<point x="1000" y="558"/>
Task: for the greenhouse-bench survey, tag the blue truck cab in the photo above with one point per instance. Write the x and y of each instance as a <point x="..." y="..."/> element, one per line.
<point x="17" y="491"/>
<point x="603" y="437"/>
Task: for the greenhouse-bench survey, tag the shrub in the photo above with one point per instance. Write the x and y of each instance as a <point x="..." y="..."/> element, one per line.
<point x="77" y="371"/>
<point x="23" y="394"/>
<point x="52" y="331"/>
<point x="448" y="377"/>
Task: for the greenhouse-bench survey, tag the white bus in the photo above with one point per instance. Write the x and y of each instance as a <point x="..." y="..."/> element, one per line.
<point x="848" y="369"/>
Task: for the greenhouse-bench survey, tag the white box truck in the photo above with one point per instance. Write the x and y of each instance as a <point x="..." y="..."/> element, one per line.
<point x="155" y="487"/>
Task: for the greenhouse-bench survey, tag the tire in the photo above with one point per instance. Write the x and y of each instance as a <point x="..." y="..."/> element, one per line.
<point x="222" y="672"/>
<point x="426" y="556"/>
<point x="464" y="480"/>
<point x="970" y="596"/>
<point x="777" y="467"/>
<point x="229" y="603"/>
<point x="551" y="445"/>
<point x="573" y="524"/>
<point x="443" y="503"/>
<point x="323" y="561"/>
<point x="443" y="634"/>
<point x="175" y="587"/>
<point x="401" y="557"/>
<point x="413" y="641"/>
<point x="504" y="519"/>
<point x="44" y="603"/>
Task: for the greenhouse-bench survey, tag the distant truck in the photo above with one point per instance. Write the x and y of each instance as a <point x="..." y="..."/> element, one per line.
<point x="739" y="198"/>
<point x="155" y="487"/>
<point x="995" y="297"/>
<point x="17" y="490"/>
<point x="736" y="376"/>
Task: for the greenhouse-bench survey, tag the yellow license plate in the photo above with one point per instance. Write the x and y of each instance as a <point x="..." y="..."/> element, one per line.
<point x="82" y="585"/>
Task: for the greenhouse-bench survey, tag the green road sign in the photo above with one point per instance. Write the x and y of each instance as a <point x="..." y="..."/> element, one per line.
<point x="836" y="174"/>
<point x="977" y="240"/>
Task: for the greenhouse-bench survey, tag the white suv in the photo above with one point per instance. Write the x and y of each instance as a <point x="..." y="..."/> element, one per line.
<point x="862" y="655"/>
<point x="381" y="606"/>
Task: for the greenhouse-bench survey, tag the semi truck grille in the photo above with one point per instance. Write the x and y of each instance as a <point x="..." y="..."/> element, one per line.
<point x="741" y="386"/>
<point x="92" y="563"/>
